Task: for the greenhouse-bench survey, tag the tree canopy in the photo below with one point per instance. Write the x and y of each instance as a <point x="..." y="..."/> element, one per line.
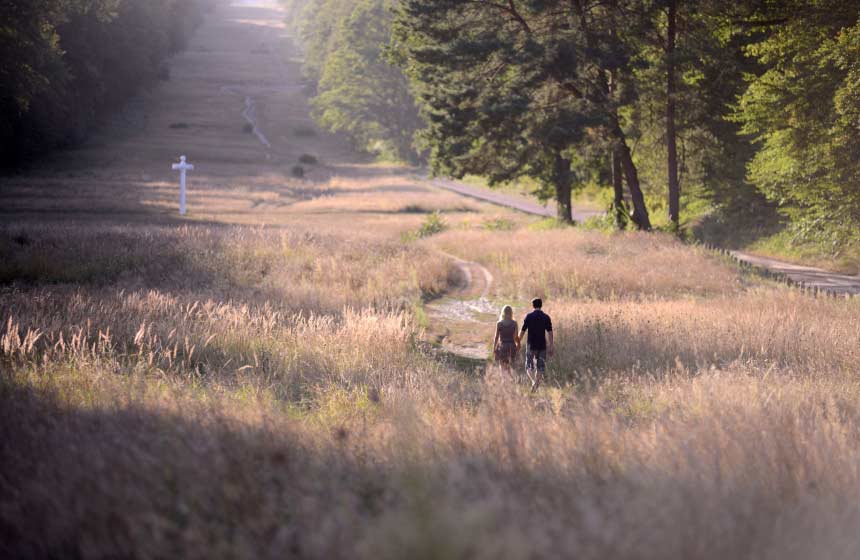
<point x="803" y="111"/>
<point x="517" y="89"/>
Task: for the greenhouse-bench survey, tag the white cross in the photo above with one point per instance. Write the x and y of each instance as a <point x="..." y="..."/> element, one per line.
<point x="182" y="167"/>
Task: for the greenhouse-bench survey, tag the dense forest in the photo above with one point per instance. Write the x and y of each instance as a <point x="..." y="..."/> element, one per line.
<point x="66" y="63"/>
<point x="743" y="106"/>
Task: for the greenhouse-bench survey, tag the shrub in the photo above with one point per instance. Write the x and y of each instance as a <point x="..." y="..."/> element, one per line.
<point x="603" y="222"/>
<point x="304" y="131"/>
<point x="308" y="159"/>
<point x="298" y="171"/>
<point x="432" y="225"/>
<point x="498" y="224"/>
<point x="549" y="224"/>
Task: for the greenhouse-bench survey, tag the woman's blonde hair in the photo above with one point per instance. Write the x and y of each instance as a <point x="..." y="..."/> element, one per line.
<point x="507" y="313"/>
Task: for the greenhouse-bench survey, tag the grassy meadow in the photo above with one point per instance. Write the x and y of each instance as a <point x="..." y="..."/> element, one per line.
<point x="229" y="391"/>
<point x="257" y="380"/>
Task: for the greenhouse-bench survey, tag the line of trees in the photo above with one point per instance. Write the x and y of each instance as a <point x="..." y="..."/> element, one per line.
<point x="730" y="102"/>
<point x="359" y="91"/>
<point x="65" y="63"/>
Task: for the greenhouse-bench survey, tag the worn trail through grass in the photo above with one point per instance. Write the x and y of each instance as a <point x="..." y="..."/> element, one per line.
<point x="462" y="321"/>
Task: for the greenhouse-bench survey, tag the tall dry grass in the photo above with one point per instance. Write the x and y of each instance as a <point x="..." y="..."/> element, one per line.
<point x="570" y="263"/>
<point x="724" y="465"/>
<point x="294" y="311"/>
<point x="294" y="270"/>
<point x="380" y="193"/>
<point x="765" y="328"/>
<point x="246" y="393"/>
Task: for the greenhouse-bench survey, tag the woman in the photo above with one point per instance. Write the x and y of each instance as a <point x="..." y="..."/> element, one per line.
<point x="507" y="341"/>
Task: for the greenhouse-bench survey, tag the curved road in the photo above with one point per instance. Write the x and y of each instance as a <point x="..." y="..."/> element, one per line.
<point x="805" y="276"/>
<point x="506" y="200"/>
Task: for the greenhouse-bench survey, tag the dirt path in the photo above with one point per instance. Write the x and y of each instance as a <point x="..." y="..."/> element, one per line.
<point x="249" y="113"/>
<point x="463" y="321"/>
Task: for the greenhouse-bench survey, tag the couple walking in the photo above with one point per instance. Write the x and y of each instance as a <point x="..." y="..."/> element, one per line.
<point x="537" y="326"/>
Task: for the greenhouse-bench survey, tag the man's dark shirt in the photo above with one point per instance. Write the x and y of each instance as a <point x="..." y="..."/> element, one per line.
<point x="537" y="323"/>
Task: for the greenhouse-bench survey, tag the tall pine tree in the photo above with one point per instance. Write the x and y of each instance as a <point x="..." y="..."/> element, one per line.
<point x="513" y="89"/>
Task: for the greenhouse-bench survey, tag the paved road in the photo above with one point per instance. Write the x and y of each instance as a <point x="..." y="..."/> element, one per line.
<point x="808" y="276"/>
<point x="509" y="201"/>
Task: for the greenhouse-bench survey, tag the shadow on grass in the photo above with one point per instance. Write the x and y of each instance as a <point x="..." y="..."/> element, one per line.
<point x="739" y="223"/>
<point x="152" y="256"/>
<point x="472" y="367"/>
<point x="129" y="482"/>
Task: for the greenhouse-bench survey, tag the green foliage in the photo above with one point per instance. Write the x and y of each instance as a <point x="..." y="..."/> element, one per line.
<point x="605" y="223"/>
<point x="549" y="224"/>
<point x="63" y="63"/>
<point x="804" y="111"/>
<point x="522" y="89"/>
<point x="498" y="224"/>
<point x="433" y="223"/>
<point x="710" y="64"/>
<point x="359" y="92"/>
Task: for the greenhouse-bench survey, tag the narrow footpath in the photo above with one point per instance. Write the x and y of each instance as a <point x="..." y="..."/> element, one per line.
<point x="463" y="321"/>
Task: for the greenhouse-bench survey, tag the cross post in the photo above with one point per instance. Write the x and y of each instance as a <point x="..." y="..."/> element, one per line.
<point x="182" y="167"/>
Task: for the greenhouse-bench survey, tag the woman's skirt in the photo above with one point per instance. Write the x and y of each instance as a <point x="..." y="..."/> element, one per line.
<point x="506" y="353"/>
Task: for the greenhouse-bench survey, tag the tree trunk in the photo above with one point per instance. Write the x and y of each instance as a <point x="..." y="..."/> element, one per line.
<point x="563" y="184"/>
<point x="640" y="211"/>
<point x="674" y="186"/>
<point x="618" y="205"/>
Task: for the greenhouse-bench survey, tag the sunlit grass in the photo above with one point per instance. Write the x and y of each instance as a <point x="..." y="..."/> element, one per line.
<point x="210" y="391"/>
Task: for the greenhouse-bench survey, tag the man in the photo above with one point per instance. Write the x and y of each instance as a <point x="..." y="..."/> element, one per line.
<point x="539" y="327"/>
